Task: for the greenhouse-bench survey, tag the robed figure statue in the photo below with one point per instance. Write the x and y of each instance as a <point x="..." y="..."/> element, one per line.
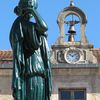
<point x="31" y="56"/>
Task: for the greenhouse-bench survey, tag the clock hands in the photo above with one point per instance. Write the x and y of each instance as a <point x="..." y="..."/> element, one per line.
<point x="73" y="56"/>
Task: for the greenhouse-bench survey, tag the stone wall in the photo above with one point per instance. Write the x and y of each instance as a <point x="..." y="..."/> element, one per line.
<point x="5" y="84"/>
<point x="6" y="97"/>
<point x="66" y="78"/>
<point x="77" y="78"/>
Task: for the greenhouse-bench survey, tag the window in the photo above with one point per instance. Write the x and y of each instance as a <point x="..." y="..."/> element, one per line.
<point x="72" y="94"/>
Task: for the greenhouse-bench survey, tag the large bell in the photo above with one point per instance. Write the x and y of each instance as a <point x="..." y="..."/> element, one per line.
<point x="72" y="29"/>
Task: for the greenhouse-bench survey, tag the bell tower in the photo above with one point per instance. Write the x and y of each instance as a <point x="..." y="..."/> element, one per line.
<point x="74" y="11"/>
<point x="71" y="51"/>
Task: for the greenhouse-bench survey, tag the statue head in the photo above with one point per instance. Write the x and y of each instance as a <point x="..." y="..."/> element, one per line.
<point x="28" y="4"/>
<point x="25" y="5"/>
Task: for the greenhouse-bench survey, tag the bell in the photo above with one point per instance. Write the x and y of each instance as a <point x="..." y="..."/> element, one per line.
<point x="72" y="29"/>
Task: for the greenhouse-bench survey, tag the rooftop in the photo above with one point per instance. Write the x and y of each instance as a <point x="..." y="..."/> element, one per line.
<point x="6" y="56"/>
<point x="6" y="59"/>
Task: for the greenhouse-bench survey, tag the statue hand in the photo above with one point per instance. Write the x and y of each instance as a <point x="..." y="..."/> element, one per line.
<point x="33" y="11"/>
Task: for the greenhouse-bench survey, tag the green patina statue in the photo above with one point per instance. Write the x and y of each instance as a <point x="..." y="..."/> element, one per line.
<point x="31" y="55"/>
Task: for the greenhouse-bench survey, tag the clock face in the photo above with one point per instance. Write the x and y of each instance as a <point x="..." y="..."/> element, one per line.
<point x="72" y="56"/>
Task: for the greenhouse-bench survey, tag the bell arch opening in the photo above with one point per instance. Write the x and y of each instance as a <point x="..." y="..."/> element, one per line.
<point x="83" y="20"/>
<point x="75" y="28"/>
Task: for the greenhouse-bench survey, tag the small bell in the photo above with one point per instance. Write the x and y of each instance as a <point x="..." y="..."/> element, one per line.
<point x="71" y="33"/>
<point x="72" y="29"/>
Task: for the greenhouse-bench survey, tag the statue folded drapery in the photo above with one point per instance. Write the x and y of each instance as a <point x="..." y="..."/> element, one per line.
<point x="31" y="55"/>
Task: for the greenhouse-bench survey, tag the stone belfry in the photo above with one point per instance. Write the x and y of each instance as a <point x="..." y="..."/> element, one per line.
<point x="72" y="10"/>
<point x="72" y="51"/>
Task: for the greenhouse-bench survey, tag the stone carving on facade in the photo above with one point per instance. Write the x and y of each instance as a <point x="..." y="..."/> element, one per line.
<point x="60" y="56"/>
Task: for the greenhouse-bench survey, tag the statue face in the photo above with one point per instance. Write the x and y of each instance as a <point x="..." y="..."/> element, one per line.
<point x="27" y="14"/>
<point x="26" y="7"/>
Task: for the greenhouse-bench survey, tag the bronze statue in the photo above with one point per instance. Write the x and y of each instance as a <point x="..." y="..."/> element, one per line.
<point x="31" y="55"/>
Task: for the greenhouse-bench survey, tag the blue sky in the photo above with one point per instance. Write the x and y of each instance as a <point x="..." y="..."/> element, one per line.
<point x="49" y="10"/>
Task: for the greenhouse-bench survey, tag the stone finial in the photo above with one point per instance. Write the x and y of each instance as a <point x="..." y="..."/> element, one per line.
<point x="71" y="3"/>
